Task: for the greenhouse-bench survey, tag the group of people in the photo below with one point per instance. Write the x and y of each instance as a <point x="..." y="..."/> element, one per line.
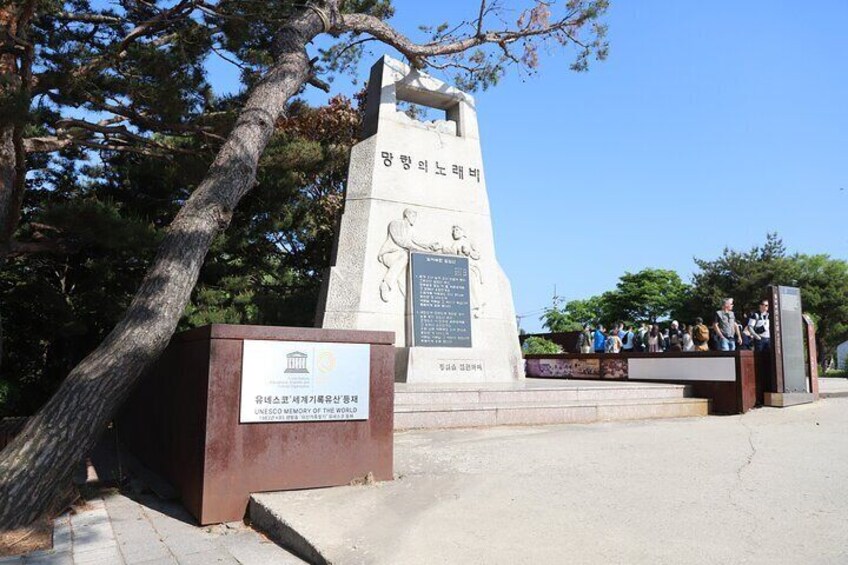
<point x="725" y="334"/>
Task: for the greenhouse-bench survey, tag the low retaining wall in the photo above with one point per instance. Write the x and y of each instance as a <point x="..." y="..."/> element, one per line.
<point x="727" y="378"/>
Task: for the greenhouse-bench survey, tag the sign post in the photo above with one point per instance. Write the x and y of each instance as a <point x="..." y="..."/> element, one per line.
<point x="789" y="375"/>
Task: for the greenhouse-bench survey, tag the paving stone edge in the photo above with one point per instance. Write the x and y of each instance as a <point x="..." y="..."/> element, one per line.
<point x="281" y="532"/>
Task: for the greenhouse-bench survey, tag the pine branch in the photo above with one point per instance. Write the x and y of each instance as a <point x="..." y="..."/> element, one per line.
<point x="87" y="18"/>
<point x="419" y="53"/>
<point x="149" y="27"/>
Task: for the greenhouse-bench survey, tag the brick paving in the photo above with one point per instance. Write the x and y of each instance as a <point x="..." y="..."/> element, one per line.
<point x="115" y="529"/>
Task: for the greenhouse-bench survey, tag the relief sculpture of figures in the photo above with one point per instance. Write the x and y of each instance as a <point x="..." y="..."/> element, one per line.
<point x="394" y="253"/>
<point x="463" y="246"/>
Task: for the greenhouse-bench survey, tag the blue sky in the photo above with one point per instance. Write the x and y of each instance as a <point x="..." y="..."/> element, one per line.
<point x="711" y="124"/>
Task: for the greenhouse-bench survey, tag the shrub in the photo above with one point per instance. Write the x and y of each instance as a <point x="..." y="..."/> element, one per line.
<point x="540" y="345"/>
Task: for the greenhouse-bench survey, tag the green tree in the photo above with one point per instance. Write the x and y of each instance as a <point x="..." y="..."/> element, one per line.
<point x="824" y="295"/>
<point x="647" y="296"/>
<point x="270" y="40"/>
<point x="535" y="344"/>
<point x="119" y="78"/>
<point x="573" y="315"/>
<point x="744" y="276"/>
<point x="266" y="269"/>
<point x="60" y="305"/>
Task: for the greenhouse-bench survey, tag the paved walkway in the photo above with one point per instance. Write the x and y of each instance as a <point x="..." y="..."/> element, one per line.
<point x="116" y="530"/>
<point x="832" y="387"/>
<point x="764" y="488"/>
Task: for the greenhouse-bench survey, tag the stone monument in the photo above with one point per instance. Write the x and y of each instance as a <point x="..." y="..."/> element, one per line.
<point x="415" y="252"/>
<point x="790" y="383"/>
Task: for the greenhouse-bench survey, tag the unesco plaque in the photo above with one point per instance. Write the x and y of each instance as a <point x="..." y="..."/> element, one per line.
<point x="441" y="301"/>
<point x="301" y="381"/>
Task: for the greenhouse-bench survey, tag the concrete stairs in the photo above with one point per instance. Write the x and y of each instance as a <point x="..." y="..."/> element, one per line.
<point x="540" y="401"/>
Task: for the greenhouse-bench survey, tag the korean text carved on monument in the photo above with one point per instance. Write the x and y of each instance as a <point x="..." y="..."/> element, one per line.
<point x="441" y="301"/>
<point x="431" y="166"/>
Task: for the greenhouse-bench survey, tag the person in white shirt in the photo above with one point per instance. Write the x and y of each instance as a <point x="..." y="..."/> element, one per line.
<point x="759" y="326"/>
<point x="688" y="344"/>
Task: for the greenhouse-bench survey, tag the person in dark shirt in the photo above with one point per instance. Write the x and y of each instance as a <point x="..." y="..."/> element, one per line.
<point x="726" y="328"/>
<point x="584" y="342"/>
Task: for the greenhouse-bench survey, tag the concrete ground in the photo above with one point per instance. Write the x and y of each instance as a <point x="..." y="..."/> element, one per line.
<point x="831" y="387"/>
<point x="766" y="487"/>
<point x="116" y="530"/>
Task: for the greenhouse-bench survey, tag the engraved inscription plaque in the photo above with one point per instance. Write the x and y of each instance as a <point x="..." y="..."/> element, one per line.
<point x="441" y="305"/>
<point x="792" y="339"/>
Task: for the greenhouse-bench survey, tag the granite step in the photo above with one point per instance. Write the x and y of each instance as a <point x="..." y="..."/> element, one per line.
<point x="477" y="414"/>
<point x="564" y="391"/>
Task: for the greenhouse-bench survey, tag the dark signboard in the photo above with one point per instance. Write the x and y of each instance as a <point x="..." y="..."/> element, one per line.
<point x="788" y="340"/>
<point x="441" y="304"/>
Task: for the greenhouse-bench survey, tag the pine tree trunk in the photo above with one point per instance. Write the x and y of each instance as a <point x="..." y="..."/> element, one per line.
<point x="7" y="182"/>
<point x="8" y="69"/>
<point x="12" y="157"/>
<point x="35" y="466"/>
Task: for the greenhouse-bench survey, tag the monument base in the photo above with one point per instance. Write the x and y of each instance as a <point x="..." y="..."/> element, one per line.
<point x="184" y="422"/>
<point x="454" y="365"/>
<point x="784" y="399"/>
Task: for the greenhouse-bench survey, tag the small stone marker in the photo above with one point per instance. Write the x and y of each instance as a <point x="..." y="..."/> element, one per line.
<point x="415" y="252"/>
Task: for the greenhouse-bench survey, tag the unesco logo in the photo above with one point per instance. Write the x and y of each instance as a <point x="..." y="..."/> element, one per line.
<point x="296" y="362"/>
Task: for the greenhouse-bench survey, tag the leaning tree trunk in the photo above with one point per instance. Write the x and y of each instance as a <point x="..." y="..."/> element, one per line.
<point x="40" y="459"/>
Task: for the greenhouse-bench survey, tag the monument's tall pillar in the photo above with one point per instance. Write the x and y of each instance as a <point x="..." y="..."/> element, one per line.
<point x="415" y="252"/>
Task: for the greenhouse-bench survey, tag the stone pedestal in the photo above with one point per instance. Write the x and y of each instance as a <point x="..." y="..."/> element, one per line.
<point x="183" y="422"/>
<point x="417" y="186"/>
<point x="784" y="399"/>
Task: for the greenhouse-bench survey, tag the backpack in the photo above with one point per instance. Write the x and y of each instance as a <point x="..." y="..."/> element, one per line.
<point x="626" y="339"/>
<point x="701" y="334"/>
